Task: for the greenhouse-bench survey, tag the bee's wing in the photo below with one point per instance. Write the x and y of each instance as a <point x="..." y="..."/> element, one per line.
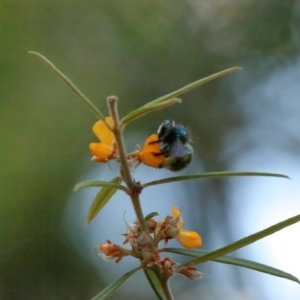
<point x="177" y="149"/>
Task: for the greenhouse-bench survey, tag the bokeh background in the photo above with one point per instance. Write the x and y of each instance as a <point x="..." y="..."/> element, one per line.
<point x="140" y="50"/>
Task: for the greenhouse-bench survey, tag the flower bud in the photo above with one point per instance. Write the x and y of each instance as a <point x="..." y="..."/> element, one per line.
<point x="190" y="272"/>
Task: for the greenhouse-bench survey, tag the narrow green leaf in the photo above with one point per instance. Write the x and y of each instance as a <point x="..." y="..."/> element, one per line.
<point x="145" y="109"/>
<point x="69" y="83"/>
<point x="110" y="289"/>
<point x="211" y="175"/>
<point x="99" y="183"/>
<point x="233" y="260"/>
<point x="194" y="85"/>
<point x="101" y="199"/>
<point x="244" y="241"/>
<point x="155" y="284"/>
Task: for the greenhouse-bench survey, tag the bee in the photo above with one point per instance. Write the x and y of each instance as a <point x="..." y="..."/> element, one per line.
<point x="174" y="143"/>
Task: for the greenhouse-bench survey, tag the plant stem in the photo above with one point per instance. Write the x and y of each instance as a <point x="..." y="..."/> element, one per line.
<point x="138" y="211"/>
<point x="166" y="288"/>
<point x="125" y="169"/>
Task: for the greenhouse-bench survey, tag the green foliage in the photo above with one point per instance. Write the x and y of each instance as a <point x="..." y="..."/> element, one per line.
<point x="110" y="289"/>
<point x="100" y="183"/>
<point x="211" y="175"/>
<point x="236" y="261"/>
<point x="102" y="198"/>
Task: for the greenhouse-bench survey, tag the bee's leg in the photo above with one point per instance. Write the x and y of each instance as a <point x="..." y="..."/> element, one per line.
<point x="157" y="153"/>
<point x="164" y="151"/>
<point x="155" y="142"/>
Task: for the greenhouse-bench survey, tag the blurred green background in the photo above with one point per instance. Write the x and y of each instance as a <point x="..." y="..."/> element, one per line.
<point x="138" y="50"/>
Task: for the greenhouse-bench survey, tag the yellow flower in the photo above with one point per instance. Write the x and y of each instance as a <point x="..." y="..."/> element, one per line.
<point x="188" y="239"/>
<point x="150" y="154"/>
<point x="105" y="149"/>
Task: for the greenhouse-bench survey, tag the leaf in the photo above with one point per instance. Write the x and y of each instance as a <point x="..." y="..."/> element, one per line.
<point x="155" y="284"/>
<point x="212" y="175"/>
<point x="69" y="83"/>
<point x="233" y="260"/>
<point x="171" y="98"/>
<point x="145" y="109"/>
<point x="101" y="199"/>
<point x="194" y="85"/>
<point x="99" y="183"/>
<point x="109" y="290"/>
<point x="244" y="241"/>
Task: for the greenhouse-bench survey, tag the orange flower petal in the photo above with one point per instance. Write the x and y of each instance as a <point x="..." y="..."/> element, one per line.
<point x="151" y="155"/>
<point x="101" y="151"/>
<point x="105" y="149"/>
<point x="189" y="239"/>
<point x="103" y="133"/>
<point x="176" y="212"/>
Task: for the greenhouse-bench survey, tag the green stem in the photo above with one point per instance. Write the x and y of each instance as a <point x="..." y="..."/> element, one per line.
<point x="125" y="169"/>
<point x="166" y="288"/>
<point x="138" y="211"/>
<point x="112" y="102"/>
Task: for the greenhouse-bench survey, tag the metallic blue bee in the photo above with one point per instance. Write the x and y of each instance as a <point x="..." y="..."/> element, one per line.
<point x="174" y="142"/>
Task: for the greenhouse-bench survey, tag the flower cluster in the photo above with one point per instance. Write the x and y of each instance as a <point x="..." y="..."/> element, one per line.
<point x="145" y="245"/>
<point x="106" y="149"/>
